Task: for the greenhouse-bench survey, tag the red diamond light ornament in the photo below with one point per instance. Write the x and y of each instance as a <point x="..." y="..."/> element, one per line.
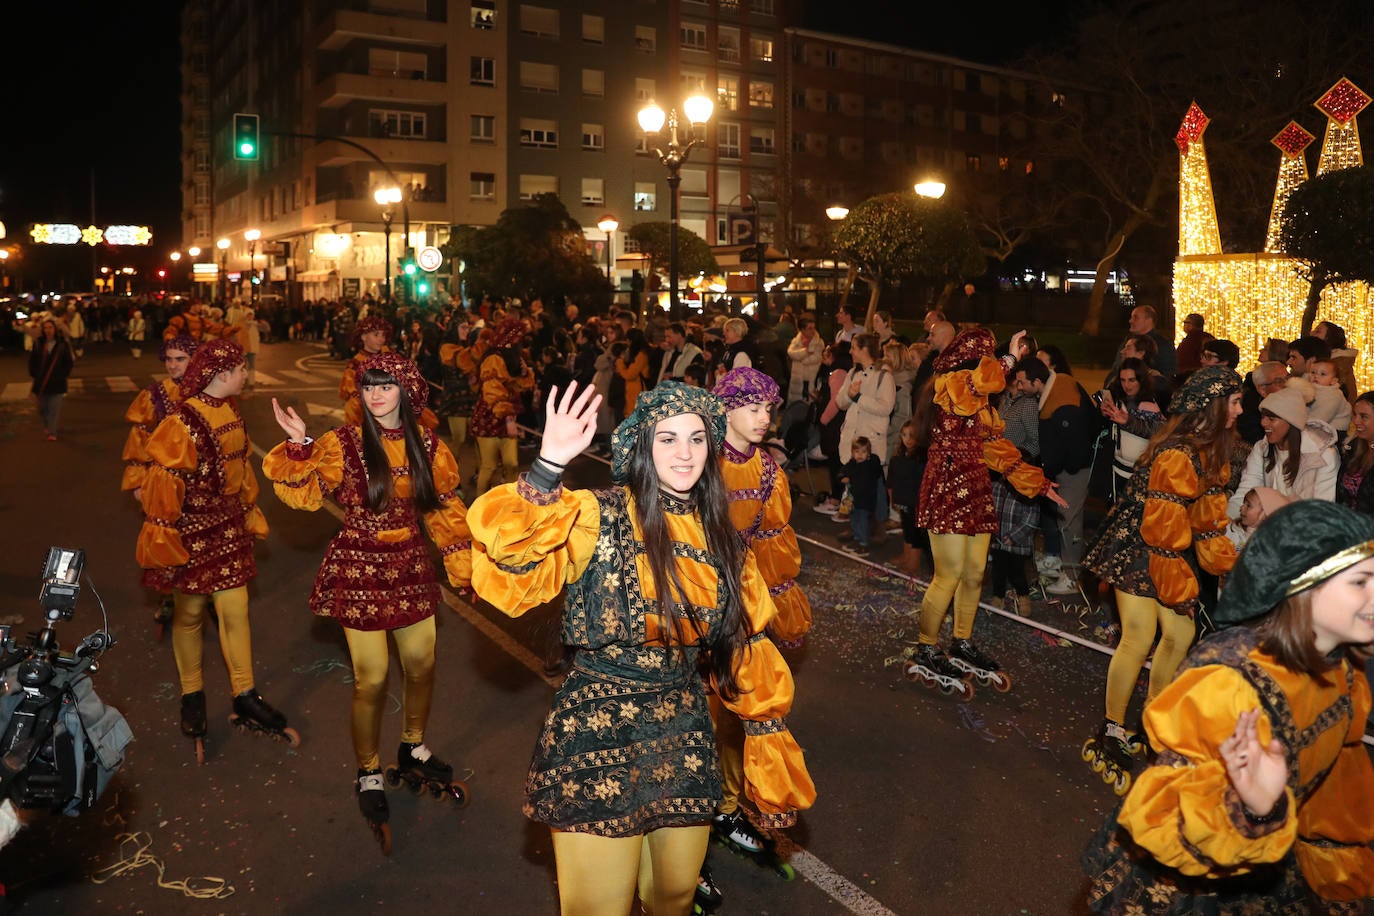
<point x="1293" y="139"/>
<point x="1343" y="102"/>
<point x="1190" y="131"/>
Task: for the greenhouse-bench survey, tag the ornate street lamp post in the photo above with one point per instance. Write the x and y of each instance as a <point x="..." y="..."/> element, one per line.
<point x="385" y="197"/>
<point x="698" y="110"/>
<point x="223" y="246"/>
<point x="609" y="224"/>
<point x="252" y="236"/>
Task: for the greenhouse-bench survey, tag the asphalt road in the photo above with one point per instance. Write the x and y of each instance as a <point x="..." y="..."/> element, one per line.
<point x="926" y="805"/>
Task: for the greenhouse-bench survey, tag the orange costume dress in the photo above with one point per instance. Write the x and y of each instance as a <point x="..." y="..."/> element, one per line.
<point x="760" y="510"/>
<point x="199" y="501"/>
<point x="376" y="574"/>
<point x="628" y="746"/>
<point x="148" y="410"/>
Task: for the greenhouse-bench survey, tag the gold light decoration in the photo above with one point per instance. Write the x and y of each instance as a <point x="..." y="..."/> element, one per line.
<point x="1198" y="232"/>
<point x="1249" y="298"/>
<point x="1293" y="141"/>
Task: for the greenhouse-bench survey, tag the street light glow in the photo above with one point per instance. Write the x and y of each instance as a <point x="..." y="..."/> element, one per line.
<point x="698" y="109"/>
<point x="223" y="244"/>
<point x="931" y="188"/>
<point x="608" y="223"/>
<point x="651" y="118"/>
<point x="252" y="235"/>
<point x="837" y="212"/>
<point x="384" y="196"/>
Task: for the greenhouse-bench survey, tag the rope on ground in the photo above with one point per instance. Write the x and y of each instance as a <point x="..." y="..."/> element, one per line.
<point x="135" y="853"/>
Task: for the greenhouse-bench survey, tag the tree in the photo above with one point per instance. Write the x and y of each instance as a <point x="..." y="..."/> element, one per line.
<point x="693" y="254"/>
<point x="897" y="236"/>
<point x="538" y="250"/>
<point x="1328" y="224"/>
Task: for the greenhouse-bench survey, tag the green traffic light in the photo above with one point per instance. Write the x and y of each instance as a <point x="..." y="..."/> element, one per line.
<point x="410" y="269"/>
<point x="246" y="150"/>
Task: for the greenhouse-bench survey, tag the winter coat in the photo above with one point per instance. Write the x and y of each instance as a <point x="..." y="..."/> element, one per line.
<point x="867" y="414"/>
<point x="1317" y="470"/>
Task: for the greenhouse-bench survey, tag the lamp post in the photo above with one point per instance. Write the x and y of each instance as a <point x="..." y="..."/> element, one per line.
<point x="193" y="252"/>
<point x="223" y="246"/>
<point x="698" y="110"/>
<point x="252" y="236"/>
<point x="385" y="197"/>
<point x="609" y="224"/>
<point x="837" y="214"/>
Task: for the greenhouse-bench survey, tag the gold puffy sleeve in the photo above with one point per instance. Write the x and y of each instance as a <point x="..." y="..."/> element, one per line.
<point x="527" y="545"/>
<point x="1188" y="817"/>
<point x="303" y="476"/>
<point x="496" y="387"/>
<point x="1180" y="514"/>
<point x="144" y="419"/>
<point x="1004" y="458"/>
<point x="448" y="525"/>
<point x="170" y="450"/>
<point x="779" y="560"/>
<point x="775" y="775"/>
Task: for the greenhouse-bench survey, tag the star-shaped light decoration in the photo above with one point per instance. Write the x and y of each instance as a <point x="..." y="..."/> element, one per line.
<point x="42" y="233"/>
<point x="1293" y="139"/>
<point x="92" y="235"/>
<point x="1343" y="102"/>
<point x="1190" y="131"/>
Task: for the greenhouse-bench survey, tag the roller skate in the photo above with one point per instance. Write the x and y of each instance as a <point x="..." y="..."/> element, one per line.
<point x="739" y="835"/>
<point x="193" y="722"/>
<point x="419" y="769"/>
<point x="252" y="714"/>
<point x="162" y="617"/>
<point x="964" y="655"/>
<point x="371" y="792"/>
<point x="931" y="667"/>
<point x="708" y="897"/>
<point x="1107" y="754"/>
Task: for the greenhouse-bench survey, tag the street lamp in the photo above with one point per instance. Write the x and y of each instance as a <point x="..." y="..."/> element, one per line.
<point x="252" y="236"/>
<point x="931" y="188"/>
<point x="698" y="110"/>
<point x="223" y="246"/>
<point x="609" y="224"/>
<point x="837" y="214"/>
<point x="385" y="197"/>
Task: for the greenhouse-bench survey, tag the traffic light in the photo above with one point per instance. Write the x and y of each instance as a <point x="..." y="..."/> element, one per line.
<point x="245" y="136"/>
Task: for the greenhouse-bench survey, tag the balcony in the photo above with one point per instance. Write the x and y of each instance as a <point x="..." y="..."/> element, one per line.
<point x="341" y="88"/>
<point x="344" y="27"/>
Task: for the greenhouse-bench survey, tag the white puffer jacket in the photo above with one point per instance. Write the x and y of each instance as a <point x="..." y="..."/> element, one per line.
<point x="1318" y="469"/>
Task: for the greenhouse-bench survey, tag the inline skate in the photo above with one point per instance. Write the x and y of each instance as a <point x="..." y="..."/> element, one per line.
<point x="193" y="721"/>
<point x="419" y="769"/>
<point x="253" y="714"/>
<point x="163" y="615"/>
<point x="708" y="897"/>
<point x="931" y="667"/>
<point x="371" y="792"/>
<point x="964" y="655"/>
<point x="739" y="835"/>
<point x="1107" y="753"/>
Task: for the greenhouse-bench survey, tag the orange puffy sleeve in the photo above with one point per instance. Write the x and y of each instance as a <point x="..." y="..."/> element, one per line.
<point x="1179" y="514"/>
<point x="779" y="561"/>
<point x="170" y="450"/>
<point x="303" y="476"/>
<point x="497" y="386"/>
<point x="966" y="391"/>
<point x="1004" y="458"/>
<point x="775" y="775"/>
<point x="527" y="545"/>
<point x="143" y="416"/>
<point x="448" y="524"/>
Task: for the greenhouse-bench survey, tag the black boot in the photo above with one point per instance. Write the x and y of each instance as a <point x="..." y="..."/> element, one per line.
<point x="193" y="724"/>
<point x="251" y="705"/>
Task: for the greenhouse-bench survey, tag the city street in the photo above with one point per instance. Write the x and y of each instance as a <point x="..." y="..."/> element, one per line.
<point x="926" y="804"/>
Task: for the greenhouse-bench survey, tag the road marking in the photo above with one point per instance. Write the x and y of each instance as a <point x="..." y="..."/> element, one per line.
<point x="307" y="377"/>
<point x="16" y="391"/>
<point x="76" y="386"/>
<point x="262" y="378"/>
<point x="320" y="410"/>
<point x="120" y="383"/>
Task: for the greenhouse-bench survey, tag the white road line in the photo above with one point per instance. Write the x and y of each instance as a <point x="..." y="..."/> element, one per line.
<point x="16" y="391"/>
<point x="76" y="385"/>
<point x="119" y="383"/>
<point x="307" y="377"/>
<point x="262" y="378"/>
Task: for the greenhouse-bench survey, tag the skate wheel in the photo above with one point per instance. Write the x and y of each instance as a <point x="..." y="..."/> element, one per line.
<point x="291" y="737"/>
<point x="909" y="674"/>
<point x="392" y="775"/>
<point x="1001" y="682"/>
<point x="436" y="790"/>
<point x="1122" y="783"/>
<point x="785" y="871"/>
<point x="382" y="834"/>
<point x="200" y="752"/>
<point x="458" y="791"/>
<point x="1086" y="752"/>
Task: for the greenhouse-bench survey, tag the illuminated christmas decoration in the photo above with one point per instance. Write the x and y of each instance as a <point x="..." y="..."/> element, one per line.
<point x="1249" y="298"/>
<point x="1293" y="141"/>
<point x="92" y="235"/>
<point x="128" y="235"/>
<point x="69" y="234"/>
<point x="1197" y="225"/>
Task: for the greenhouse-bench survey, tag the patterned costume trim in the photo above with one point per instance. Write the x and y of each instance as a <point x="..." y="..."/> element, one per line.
<point x="535" y="495"/>
<point x="769" y="727"/>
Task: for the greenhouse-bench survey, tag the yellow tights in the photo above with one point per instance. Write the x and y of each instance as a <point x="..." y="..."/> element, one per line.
<point x="491" y="451"/>
<point x="235" y="637"/>
<point x="959" y="563"/>
<point x="598" y="875"/>
<point x="368" y="649"/>
<point x="730" y="747"/>
<point x="1138" y="619"/>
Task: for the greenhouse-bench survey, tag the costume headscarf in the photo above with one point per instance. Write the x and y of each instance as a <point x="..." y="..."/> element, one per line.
<point x="510" y="333"/>
<point x="1301" y="545"/>
<point x="971" y="344"/>
<point x="746" y="385"/>
<point x="664" y="400"/>
<point x="209" y="360"/>
<point x="1202" y="388"/>
<point x="403" y="371"/>
<point x="367" y="326"/>
<point x="183" y="342"/>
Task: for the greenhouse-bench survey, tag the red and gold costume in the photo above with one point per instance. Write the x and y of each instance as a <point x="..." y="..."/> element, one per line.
<point x="150" y="407"/>
<point x="352" y="400"/>
<point x="196" y="326"/>
<point x="376" y="574"/>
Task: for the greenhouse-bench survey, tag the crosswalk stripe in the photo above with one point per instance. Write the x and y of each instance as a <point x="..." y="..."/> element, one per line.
<point x="120" y="383"/>
<point x="16" y="391"/>
<point x="262" y="378"/>
<point x="76" y="385"/>
<point x="306" y="377"/>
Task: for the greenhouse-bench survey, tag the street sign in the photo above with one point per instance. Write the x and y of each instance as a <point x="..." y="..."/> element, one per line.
<point x="429" y="258"/>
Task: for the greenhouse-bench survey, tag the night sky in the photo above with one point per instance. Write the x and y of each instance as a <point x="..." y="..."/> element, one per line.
<point x="91" y="97"/>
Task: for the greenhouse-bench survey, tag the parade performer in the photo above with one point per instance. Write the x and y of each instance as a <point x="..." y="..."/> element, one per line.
<point x="503" y="377"/>
<point x="194" y="323"/>
<point x="150" y="408"/>
<point x="370" y="336"/>
<point x="955" y="504"/>
<point x="388" y="474"/>
<point x="1262" y="797"/>
<point x="1170" y="520"/>
<point x="200" y="516"/>
<point x="656" y="578"/>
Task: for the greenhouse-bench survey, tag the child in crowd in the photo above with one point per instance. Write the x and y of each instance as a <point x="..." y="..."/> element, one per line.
<point x="864" y="474"/>
<point x="1262" y="797"/>
<point x="695" y="374"/>
<point x="1258" y="504"/>
<point x="1328" y="401"/>
<point x="904" y="472"/>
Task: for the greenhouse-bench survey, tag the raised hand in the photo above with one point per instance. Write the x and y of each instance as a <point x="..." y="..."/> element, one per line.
<point x="1014" y="347"/>
<point x="1258" y="773"/>
<point x="570" y="423"/>
<point x="290" y="422"/>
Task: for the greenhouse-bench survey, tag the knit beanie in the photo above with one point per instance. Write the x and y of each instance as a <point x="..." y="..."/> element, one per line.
<point x="1288" y="405"/>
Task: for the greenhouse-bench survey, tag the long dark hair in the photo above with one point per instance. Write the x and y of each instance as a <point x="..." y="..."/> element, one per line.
<point x="723" y="542"/>
<point x="380" y="485"/>
<point x="1361" y="456"/>
<point x="1292" y="442"/>
<point x="1206" y="431"/>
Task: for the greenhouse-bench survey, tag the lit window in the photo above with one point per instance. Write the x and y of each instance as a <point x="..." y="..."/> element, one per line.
<point x="692" y="36"/>
<point x="484" y="15"/>
<point x="760" y="94"/>
<point x="646" y="195"/>
<point x="761" y="49"/>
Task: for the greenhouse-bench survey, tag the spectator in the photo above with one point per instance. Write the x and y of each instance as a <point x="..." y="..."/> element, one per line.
<point x="1263" y="380"/>
<point x="835" y="365"/>
<point x="804" y="353"/>
<point x="844" y="317"/>
<point x="1142" y="347"/>
<point x="1054" y="358"/>
<point x="680" y="353"/>
<point x="1189" y="350"/>
<point x="1341" y="355"/>
<point x="740" y="349"/>
<point x="1326" y="401"/>
<point x="1356" y="488"/>
<point x="1297" y="455"/>
<point x="1220" y="353"/>
<point x="1142" y="321"/>
<point x="50" y="363"/>
<point x="867" y="398"/>
<point x="1135" y="417"/>
<point x="1303" y="352"/>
